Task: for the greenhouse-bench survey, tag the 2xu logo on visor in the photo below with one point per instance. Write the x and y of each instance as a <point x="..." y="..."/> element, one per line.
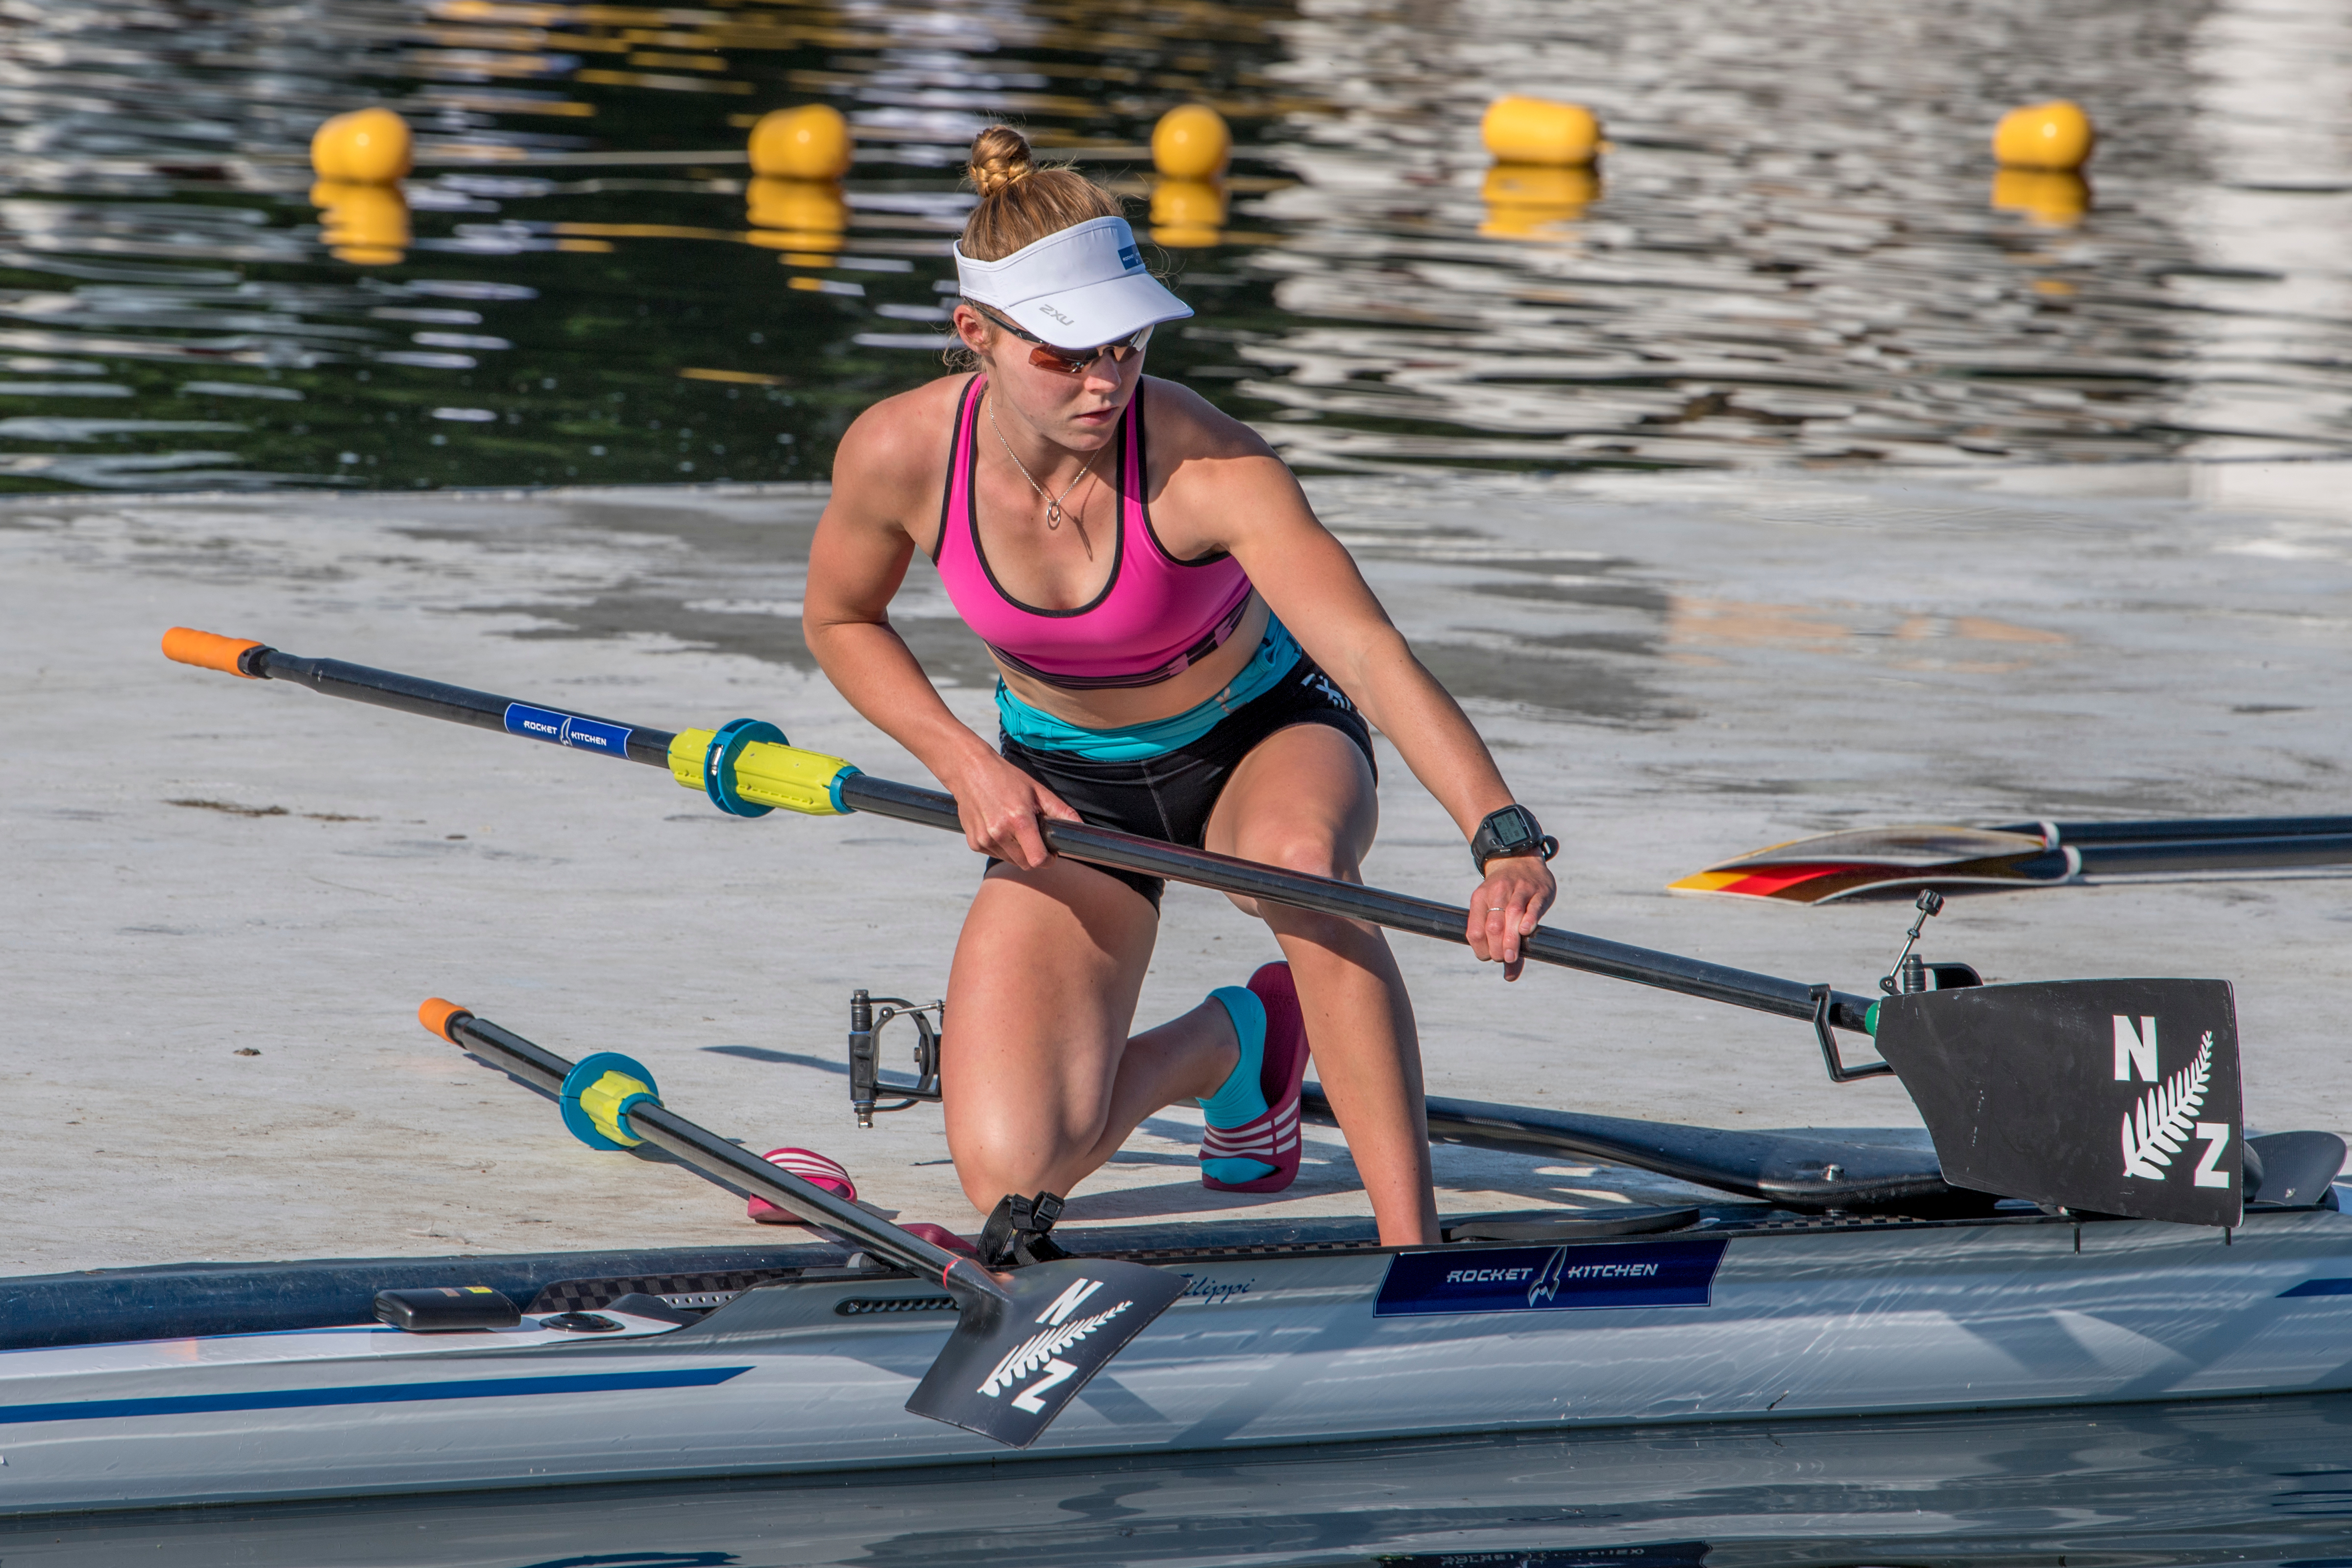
<point x="1007" y="1371"/>
<point x="2115" y="1096"/>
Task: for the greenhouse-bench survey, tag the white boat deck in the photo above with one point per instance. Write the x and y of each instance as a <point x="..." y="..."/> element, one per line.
<point x="367" y="1344"/>
<point x="1672" y="669"/>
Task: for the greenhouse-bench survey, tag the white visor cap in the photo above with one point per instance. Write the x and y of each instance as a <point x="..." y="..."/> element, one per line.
<point x="1075" y="288"/>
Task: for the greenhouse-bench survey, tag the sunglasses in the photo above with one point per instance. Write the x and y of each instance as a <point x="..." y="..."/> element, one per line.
<point x="1069" y="361"/>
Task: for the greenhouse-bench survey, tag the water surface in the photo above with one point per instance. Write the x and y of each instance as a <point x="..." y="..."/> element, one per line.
<point x="2255" y="1482"/>
<point x="1794" y="251"/>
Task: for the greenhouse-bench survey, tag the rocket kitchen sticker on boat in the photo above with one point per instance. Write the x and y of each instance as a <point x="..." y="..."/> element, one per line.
<point x="1550" y="1278"/>
<point x="2111" y="1097"/>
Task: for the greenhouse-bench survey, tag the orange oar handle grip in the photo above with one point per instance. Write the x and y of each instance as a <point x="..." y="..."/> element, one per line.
<point x="209" y="650"/>
<point x="436" y="1015"/>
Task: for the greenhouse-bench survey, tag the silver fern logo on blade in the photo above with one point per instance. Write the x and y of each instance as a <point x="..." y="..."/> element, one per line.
<point x="2165" y="1120"/>
<point x="1041" y="1352"/>
<point x="2086" y="1096"/>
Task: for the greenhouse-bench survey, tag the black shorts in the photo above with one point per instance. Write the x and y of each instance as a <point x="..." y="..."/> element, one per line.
<point x="1170" y="796"/>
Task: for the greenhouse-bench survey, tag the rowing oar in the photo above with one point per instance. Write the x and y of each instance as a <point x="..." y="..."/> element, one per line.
<point x="1050" y="1326"/>
<point x="746" y="768"/>
<point x="2012" y="1080"/>
<point x="1831" y="866"/>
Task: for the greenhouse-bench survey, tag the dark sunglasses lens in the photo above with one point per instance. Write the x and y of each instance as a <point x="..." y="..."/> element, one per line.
<point x="1067" y="363"/>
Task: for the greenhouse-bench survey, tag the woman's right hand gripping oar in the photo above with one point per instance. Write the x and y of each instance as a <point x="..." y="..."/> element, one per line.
<point x="1508" y="905"/>
<point x="1000" y="806"/>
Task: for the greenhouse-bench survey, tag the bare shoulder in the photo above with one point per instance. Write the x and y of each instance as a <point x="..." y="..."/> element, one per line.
<point x="1212" y="478"/>
<point x="893" y="458"/>
<point x="1184" y="424"/>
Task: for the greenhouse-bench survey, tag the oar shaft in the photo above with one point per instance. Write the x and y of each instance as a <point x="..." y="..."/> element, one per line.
<point x="2239" y="853"/>
<point x="704" y="1151"/>
<point x="540" y="1069"/>
<point x="2082" y="834"/>
<point x="707" y="1151"/>
<point x="437" y="700"/>
<point x="1097" y="846"/>
<point x="1374" y="906"/>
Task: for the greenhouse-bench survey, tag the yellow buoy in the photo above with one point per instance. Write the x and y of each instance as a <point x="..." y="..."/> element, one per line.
<point x="1536" y="131"/>
<point x="1187" y="213"/>
<point x="2057" y="197"/>
<point x="803" y="217"/>
<point x="802" y="204"/>
<point x="810" y="143"/>
<point x="1523" y="200"/>
<point x="1191" y="142"/>
<point x="365" y="224"/>
<point x="366" y="147"/>
<point x="2053" y="135"/>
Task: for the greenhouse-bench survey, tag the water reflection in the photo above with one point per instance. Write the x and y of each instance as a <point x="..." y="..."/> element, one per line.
<point x="2254" y="1483"/>
<point x="1793" y="250"/>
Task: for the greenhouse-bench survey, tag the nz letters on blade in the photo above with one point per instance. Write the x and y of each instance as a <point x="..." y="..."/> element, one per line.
<point x="2113" y="1097"/>
<point x="1008" y="1370"/>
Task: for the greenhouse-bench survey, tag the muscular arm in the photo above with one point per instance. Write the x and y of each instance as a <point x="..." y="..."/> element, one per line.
<point x="1309" y="580"/>
<point x="856" y="563"/>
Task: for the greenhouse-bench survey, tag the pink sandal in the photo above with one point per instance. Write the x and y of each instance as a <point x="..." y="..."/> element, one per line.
<point x="939" y="1236"/>
<point x="811" y="1167"/>
<point x="815" y="1168"/>
<point x="1271" y="1139"/>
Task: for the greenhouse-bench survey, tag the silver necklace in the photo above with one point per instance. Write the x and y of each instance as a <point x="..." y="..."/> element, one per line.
<point x="1053" y="506"/>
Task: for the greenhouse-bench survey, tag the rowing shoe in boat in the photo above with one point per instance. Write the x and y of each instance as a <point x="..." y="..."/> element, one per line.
<point x="207" y="1384"/>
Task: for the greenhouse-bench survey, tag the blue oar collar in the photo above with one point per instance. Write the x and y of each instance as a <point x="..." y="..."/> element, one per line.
<point x="719" y="764"/>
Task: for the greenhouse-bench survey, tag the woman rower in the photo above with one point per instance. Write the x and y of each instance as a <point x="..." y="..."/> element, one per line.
<point x="1184" y="653"/>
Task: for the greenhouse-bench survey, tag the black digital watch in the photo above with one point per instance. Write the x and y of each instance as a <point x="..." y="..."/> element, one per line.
<point x="1513" y="830"/>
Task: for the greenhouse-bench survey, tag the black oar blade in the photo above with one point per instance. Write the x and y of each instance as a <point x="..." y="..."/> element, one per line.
<point x="1007" y="1371"/>
<point x="2113" y="1097"/>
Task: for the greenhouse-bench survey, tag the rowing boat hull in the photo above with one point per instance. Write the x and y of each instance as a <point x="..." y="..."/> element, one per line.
<point x="1295" y="1345"/>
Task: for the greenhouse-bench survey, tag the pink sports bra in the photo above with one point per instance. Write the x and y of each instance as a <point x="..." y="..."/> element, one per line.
<point x="1155" y="618"/>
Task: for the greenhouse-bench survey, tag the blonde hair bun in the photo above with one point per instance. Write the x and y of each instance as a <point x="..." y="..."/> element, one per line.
<point x="1000" y="160"/>
<point x="1022" y="201"/>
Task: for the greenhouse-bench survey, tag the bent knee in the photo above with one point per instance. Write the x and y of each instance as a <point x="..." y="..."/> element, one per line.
<point x="1310" y="854"/>
<point x="1314" y="853"/>
<point x="1029" y="1164"/>
<point x="982" y="1189"/>
<point x="985" y="1186"/>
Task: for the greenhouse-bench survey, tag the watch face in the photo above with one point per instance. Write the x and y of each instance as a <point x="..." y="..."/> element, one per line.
<point x="1511" y="830"/>
<point x="1513" y="827"/>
